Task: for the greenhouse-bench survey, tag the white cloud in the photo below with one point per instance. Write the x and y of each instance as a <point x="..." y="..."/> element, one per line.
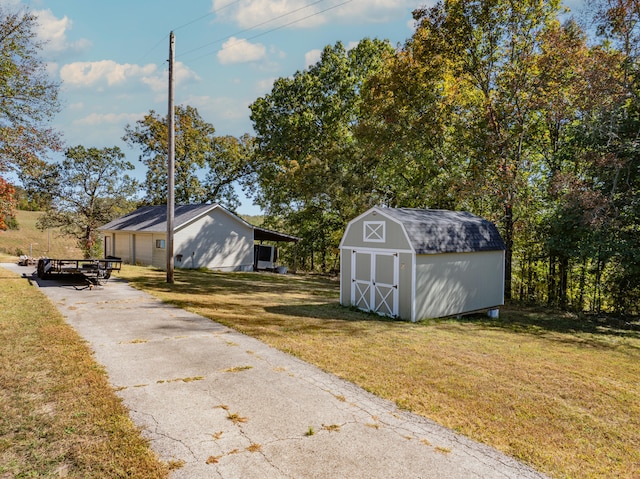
<point x="108" y="118"/>
<point x="158" y="82"/>
<point x="53" y="31"/>
<point x="268" y="14"/>
<point x="312" y="57"/>
<point x="90" y="74"/>
<point x="265" y="85"/>
<point x="183" y="74"/>
<point x="239" y="50"/>
<point x="220" y="108"/>
<point x="108" y="74"/>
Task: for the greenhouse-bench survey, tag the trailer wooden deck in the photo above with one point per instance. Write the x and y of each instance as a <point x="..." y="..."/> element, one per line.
<point x="95" y="271"/>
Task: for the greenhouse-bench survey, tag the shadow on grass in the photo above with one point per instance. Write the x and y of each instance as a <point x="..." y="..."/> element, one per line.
<point x="540" y="321"/>
<point x="323" y="305"/>
<point x="195" y="282"/>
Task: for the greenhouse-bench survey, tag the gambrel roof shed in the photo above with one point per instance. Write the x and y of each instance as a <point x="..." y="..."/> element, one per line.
<point x="443" y="231"/>
<point x="418" y="263"/>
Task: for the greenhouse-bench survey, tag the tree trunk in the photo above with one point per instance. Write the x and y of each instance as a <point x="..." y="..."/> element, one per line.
<point x="508" y="254"/>
<point x="562" y="287"/>
<point x="583" y="273"/>
<point x="551" y="280"/>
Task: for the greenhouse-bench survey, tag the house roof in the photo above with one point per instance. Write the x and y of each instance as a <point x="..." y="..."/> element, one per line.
<point x="262" y="234"/>
<point x="153" y="219"/>
<point x="442" y="231"/>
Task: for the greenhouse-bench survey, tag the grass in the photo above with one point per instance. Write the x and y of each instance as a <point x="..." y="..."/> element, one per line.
<point x="58" y="415"/>
<point x="557" y="391"/>
<point x="29" y="240"/>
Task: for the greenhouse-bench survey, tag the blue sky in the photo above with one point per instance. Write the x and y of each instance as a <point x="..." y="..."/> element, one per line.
<point x="111" y="56"/>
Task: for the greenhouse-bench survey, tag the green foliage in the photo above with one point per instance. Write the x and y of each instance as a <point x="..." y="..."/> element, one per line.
<point x="313" y="173"/>
<point x="193" y="141"/>
<point x="491" y="106"/>
<point x="12" y="223"/>
<point x="230" y="163"/>
<point x="92" y="189"/>
<point x="226" y="160"/>
<point x="28" y="98"/>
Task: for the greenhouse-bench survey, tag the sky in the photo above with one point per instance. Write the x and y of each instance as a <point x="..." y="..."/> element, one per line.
<point x="110" y="56"/>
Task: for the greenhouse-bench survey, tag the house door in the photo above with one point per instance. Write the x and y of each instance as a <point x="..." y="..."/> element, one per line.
<point x="374" y="281"/>
<point x="108" y="251"/>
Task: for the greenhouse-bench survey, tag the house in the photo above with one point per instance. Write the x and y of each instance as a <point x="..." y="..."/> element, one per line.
<point x="421" y="263"/>
<point x="205" y="236"/>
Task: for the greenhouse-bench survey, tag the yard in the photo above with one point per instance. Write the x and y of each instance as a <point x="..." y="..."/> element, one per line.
<point x="59" y="416"/>
<point x="557" y="391"/>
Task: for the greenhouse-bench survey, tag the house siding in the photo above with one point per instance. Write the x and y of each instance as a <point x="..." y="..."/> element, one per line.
<point x="158" y="255"/>
<point x="143" y="248"/>
<point x="216" y="241"/>
<point x="121" y="247"/>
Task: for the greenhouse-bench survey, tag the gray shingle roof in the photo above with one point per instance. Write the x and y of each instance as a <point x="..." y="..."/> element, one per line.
<point x="153" y="219"/>
<point x="442" y="231"/>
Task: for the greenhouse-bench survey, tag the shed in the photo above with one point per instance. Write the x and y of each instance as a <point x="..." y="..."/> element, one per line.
<point x="205" y="236"/>
<point x="421" y="263"/>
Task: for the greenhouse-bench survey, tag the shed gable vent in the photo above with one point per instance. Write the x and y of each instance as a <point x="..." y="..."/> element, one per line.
<point x="374" y="231"/>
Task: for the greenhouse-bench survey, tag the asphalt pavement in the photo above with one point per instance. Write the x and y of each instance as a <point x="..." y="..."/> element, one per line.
<point x="227" y="406"/>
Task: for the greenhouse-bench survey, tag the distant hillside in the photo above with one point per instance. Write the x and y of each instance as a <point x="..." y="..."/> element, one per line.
<point x="42" y="243"/>
<point x="255" y="220"/>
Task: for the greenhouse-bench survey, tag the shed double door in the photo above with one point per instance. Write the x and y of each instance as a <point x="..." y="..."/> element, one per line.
<point x="374" y="281"/>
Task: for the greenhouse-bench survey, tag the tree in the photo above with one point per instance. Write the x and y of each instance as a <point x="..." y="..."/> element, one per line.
<point x="410" y="114"/>
<point x="40" y="184"/>
<point x="230" y="164"/>
<point x="224" y="160"/>
<point x="478" y="63"/>
<point x="577" y="83"/>
<point x="7" y="203"/>
<point x="310" y="166"/>
<point x="93" y="189"/>
<point x="28" y="98"/>
<point x="193" y="142"/>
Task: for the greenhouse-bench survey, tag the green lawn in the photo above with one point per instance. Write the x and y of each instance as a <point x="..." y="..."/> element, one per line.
<point x="59" y="417"/>
<point x="559" y="392"/>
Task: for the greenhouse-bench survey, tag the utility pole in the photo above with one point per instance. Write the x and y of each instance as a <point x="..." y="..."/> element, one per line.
<point x="170" y="164"/>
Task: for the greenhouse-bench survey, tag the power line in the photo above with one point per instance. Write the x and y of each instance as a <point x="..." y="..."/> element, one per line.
<point x="271" y="30"/>
<point x="213" y="12"/>
<point x="191" y="22"/>
<point x="250" y="28"/>
<point x="162" y="40"/>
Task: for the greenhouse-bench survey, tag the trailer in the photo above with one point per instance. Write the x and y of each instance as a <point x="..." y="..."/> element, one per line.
<point x="95" y="271"/>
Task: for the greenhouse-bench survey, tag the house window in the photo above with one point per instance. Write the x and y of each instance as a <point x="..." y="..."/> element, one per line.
<point x="160" y="244"/>
<point x="374" y="231"/>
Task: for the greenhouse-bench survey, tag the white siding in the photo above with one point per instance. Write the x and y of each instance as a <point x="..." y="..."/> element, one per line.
<point x="143" y="248"/>
<point x="159" y="254"/>
<point x="122" y="247"/>
<point x="457" y="283"/>
<point x="216" y="241"/>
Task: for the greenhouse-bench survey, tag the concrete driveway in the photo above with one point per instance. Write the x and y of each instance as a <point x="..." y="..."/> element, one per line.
<point x="229" y="406"/>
